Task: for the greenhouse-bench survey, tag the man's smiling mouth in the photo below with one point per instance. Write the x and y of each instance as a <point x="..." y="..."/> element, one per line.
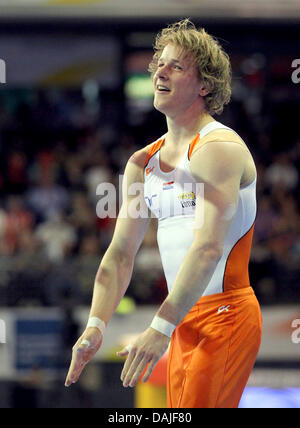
<point x="162" y="88"/>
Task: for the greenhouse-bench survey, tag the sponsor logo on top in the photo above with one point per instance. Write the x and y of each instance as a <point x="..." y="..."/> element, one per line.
<point x="149" y="170"/>
<point x="187" y="199"/>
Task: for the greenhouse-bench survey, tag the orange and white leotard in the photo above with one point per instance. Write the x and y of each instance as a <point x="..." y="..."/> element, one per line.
<point x="213" y="349"/>
<point x="171" y="197"/>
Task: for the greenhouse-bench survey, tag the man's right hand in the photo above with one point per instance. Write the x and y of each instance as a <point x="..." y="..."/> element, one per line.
<point x="83" y="351"/>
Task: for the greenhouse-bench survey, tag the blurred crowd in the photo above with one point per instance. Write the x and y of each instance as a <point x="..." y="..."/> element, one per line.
<point x="54" y="153"/>
<point x="56" y="148"/>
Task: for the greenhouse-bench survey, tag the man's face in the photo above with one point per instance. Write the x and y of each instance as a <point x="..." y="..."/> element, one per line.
<point x="176" y="82"/>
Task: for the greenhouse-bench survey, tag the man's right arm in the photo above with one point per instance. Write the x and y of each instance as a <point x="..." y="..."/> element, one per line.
<point x="115" y="270"/>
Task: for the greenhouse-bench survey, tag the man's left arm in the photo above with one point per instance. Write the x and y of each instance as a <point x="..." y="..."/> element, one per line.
<point x="219" y="166"/>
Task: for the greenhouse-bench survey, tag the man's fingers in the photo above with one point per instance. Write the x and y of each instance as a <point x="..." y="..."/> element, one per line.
<point x="83" y="351"/>
<point x="81" y="356"/>
<point x="149" y="370"/>
<point x="75" y="366"/>
<point x="127" y="364"/>
<point x="125" y="351"/>
<point x="147" y="349"/>
<point x="133" y="375"/>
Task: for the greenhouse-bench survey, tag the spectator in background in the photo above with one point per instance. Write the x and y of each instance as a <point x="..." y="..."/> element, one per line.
<point x="16" y="174"/>
<point x="282" y="173"/>
<point x="295" y="154"/>
<point x="26" y="271"/>
<point x="60" y="286"/>
<point x="289" y="214"/>
<point x="82" y="216"/>
<point x="266" y="219"/>
<point x="3" y="218"/>
<point x="47" y="197"/>
<point x="73" y="170"/>
<point x="89" y="254"/>
<point x="17" y="219"/>
<point x="58" y="237"/>
<point x="44" y="164"/>
<point x="122" y="152"/>
<point x="98" y="172"/>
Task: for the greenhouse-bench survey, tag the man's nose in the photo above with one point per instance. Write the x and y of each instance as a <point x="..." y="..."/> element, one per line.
<point x="162" y="72"/>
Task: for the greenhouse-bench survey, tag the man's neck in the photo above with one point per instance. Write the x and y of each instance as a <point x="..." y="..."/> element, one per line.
<point x="182" y="131"/>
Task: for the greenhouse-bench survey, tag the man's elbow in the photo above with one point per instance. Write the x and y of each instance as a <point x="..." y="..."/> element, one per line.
<point x="211" y="251"/>
<point x="121" y="256"/>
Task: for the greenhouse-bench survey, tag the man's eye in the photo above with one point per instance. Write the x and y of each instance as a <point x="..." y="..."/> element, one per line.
<point x="177" y="67"/>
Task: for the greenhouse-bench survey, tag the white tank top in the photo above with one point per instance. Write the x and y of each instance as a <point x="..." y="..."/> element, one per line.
<point x="171" y="197"/>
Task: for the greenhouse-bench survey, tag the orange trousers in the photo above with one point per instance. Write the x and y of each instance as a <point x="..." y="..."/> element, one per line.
<point x="213" y="350"/>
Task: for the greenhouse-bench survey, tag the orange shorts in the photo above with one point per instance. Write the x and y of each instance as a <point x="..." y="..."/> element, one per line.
<point x="213" y="350"/>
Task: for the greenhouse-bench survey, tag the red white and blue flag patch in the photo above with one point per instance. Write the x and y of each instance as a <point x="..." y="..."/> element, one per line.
<point x="169" y="185"/>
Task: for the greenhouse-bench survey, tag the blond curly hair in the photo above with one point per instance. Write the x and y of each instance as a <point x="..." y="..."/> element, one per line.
<point x="212" y="62"/>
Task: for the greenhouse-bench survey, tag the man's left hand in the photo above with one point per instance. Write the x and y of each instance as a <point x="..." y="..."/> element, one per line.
<point x="148" y="348"/>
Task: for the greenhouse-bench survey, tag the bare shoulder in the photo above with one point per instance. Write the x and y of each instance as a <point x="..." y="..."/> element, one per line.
<point x="222" y="135"/>
<point x="218" y="160"/>
<point x="139" y="157"/>
<point x="220" y="152"/>
<point x="134" y="170"/>
<point x="224" y="153"/>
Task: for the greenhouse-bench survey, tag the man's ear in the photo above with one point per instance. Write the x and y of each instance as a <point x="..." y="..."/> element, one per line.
<point x="203" y="91"/>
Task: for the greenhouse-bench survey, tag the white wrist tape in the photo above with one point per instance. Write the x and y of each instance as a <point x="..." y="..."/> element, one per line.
<point x="163" y="326"/>
<point x="96" y="322"/>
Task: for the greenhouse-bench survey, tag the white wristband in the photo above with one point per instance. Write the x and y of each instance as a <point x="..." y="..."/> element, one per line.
<point x="163" y="326"/>
<point x="96" y="322"/>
